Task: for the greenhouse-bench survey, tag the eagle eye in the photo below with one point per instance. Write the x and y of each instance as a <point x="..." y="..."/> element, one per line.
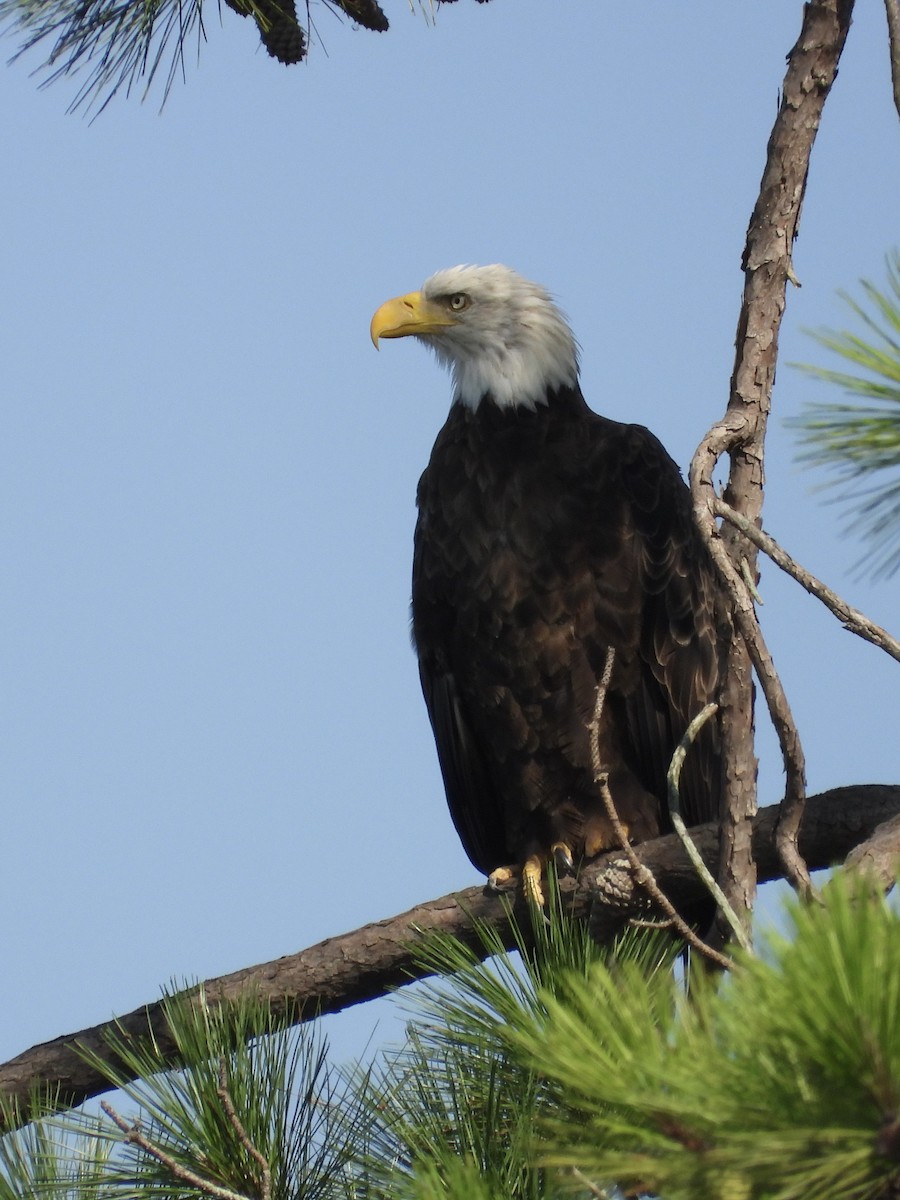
<point x="458" y="301"/>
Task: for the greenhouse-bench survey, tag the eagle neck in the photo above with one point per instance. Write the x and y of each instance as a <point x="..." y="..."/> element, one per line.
<point x="556" y="406"/>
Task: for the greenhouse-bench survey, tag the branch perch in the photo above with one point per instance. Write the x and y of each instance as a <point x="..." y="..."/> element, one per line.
<point x="371" y="961"/>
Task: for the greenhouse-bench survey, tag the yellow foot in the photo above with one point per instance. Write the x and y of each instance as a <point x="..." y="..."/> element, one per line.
<point x="500" y="876"/>
<point x="532" y="872"/>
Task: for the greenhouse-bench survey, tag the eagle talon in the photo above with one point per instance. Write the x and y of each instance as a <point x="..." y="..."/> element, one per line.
<point x="501" y="876"/>
<point x="530" y="873"/>
<point x="532" y="886"/>
<point x="562" y="856"/>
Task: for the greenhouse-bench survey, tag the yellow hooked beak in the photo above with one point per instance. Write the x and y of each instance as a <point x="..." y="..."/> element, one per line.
<point x="408" y="315"/>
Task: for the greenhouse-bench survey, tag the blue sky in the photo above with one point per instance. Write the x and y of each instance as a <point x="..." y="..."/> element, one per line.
<point x="215" y="751"/>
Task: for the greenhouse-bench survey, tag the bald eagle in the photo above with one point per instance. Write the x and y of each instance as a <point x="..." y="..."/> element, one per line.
<point x="551" y="544"/>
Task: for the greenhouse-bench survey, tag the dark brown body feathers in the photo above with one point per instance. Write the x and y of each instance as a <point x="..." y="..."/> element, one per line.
<point x="544" y="537"/>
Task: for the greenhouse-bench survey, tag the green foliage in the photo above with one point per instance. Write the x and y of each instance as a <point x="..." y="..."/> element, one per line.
<point x="459" y="1103"/>
<point x="240" y="1101"/>
<point x="554" y="1071"/>
<point x="56" y="1163"/>
<point x="771" y="1085"/>
<point x="453" y="1105"/>
<point x="860" y="440"/>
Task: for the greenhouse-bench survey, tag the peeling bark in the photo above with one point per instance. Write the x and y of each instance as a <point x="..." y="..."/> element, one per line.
<point x="812" y="68"/>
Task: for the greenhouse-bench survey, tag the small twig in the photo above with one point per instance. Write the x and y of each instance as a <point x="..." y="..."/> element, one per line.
<point x="645" y="878"/>
<point x="892" y="8"/>
<point x="133" y="1134"/>
<point x="642" y="874"/>
<point x="599" y="701"/>
<point x="228" y="1105"/>
<point x="673" y="779"/>
<point x="850" y="618"/>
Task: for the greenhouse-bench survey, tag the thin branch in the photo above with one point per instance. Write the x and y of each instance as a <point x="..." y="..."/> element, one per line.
<point x="379" y="957"/>
<point x="645" y="878"/>
<point x="183" y="1174"/>
<point x="851" y="618"/>
<point x="892" y="9"/>
<point x="599" y="702"/>
<point x="812" y="67"/>
<point x="244" y="1138"/>
<point x="642" y="873"/>
<point x="673" y="779"/>
<point x="779" y="713"/>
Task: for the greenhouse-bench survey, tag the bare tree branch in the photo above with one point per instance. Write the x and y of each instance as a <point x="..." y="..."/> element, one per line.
<point x="643" y="876"/>
<point x="641" y="873"/>
<point x="371" y="961"/>
<point x="265" y="1171"/>
<point x="134" y="1134"/>
<point x="673" y="780"/>
<point x="812" y="66"/>
<point x="851" y="618"/>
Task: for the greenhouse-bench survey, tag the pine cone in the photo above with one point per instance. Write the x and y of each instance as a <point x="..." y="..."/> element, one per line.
<point x="279" y="29"/>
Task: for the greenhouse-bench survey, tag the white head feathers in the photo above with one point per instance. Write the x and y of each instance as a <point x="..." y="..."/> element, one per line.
<point x="508" y="339"/>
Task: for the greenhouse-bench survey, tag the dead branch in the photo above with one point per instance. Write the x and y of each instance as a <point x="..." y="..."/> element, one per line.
<point x="641" y="873"/>
<point x="134" y="1134"/>
<point x="812" y="67"/>
<point x="851" y="618"/>
<point x="673" y="780"/>
<point x="371" y="961"/>
<point x="265" y="1171"/>
<point x="643" y="876"/>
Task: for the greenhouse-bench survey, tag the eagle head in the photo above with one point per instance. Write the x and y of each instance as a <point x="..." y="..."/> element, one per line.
<point x="502" y="337"/>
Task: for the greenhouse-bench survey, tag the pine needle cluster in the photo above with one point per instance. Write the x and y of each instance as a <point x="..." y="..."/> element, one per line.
<point x="859" y="440"/>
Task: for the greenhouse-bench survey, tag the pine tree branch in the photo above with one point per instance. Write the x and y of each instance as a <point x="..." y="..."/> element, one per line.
<point x="812" y="67"/>
<point x="371" y="961"/>
<point x="879" y="855"/>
